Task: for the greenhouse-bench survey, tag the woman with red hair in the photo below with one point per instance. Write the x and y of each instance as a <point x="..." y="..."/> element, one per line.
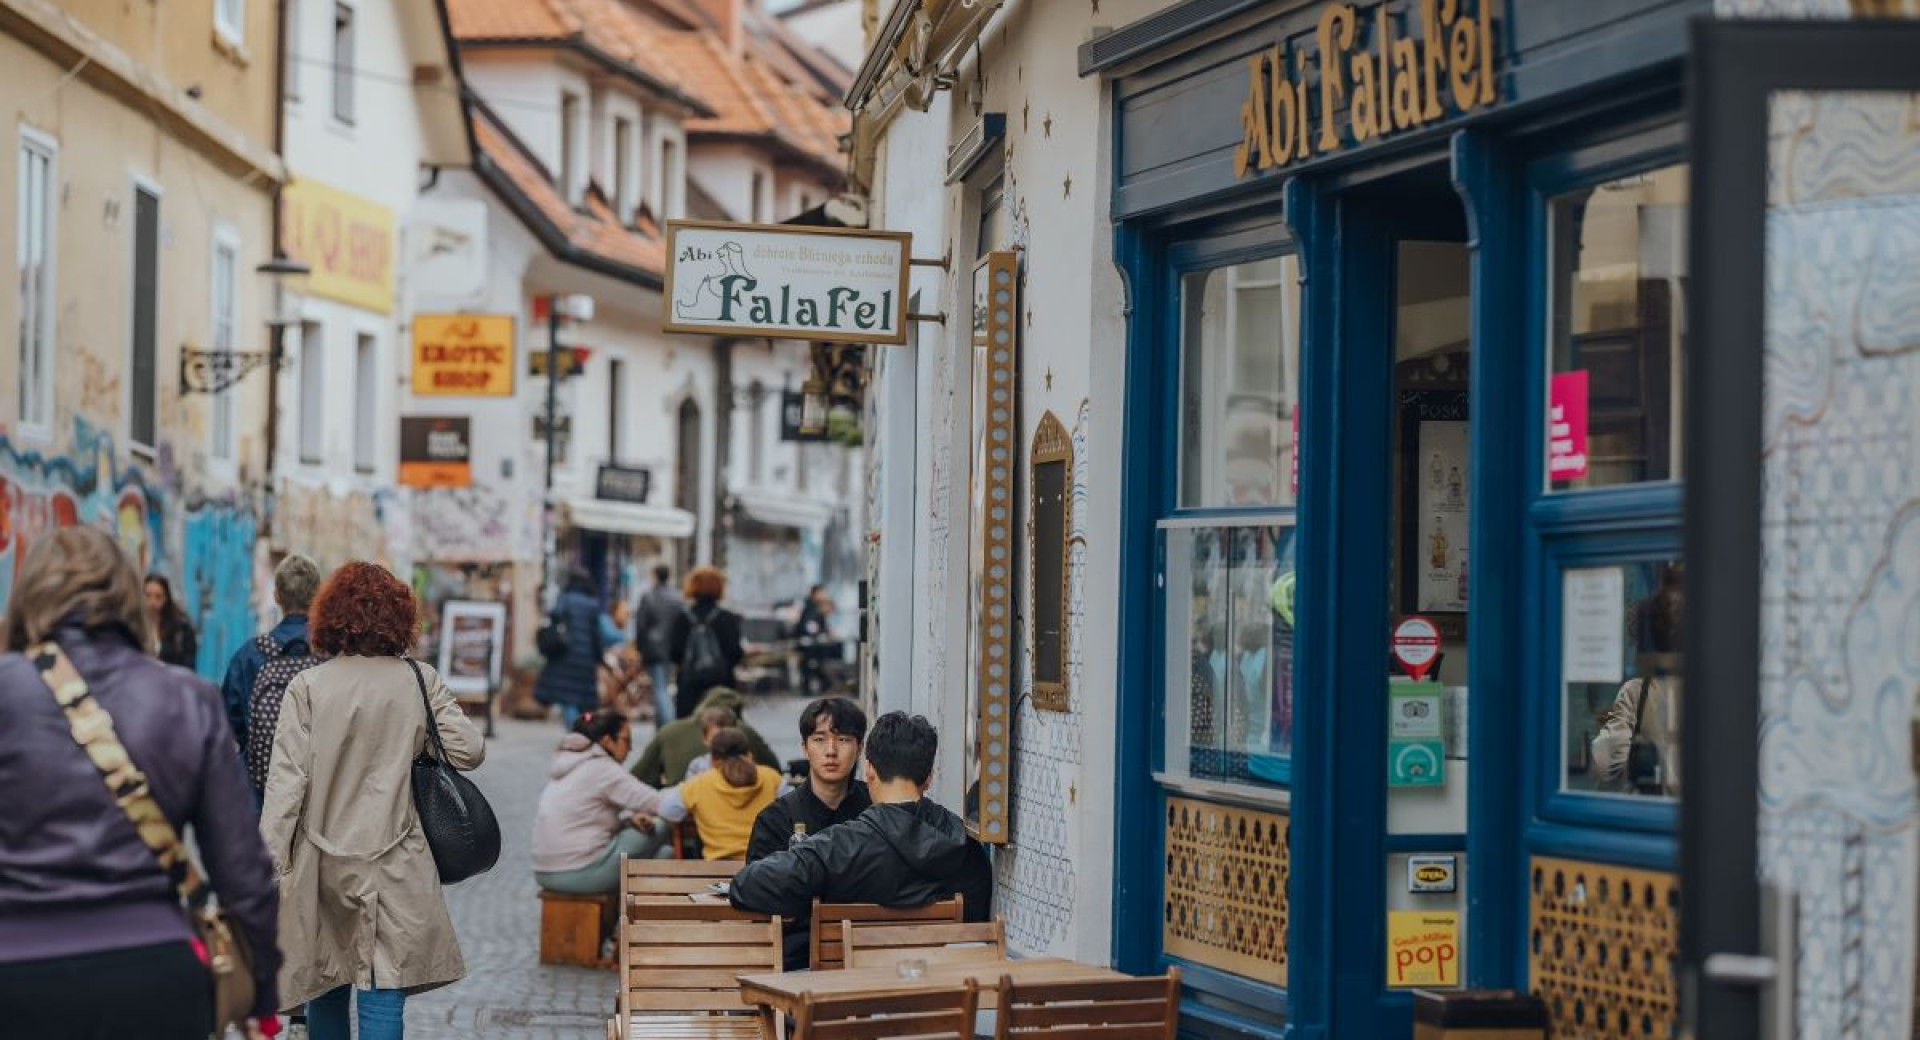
<point x="705" y="640"/>
<point x="360" y="901"/>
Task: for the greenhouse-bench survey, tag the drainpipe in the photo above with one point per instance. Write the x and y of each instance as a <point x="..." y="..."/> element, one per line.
<point x="277" y="334"/>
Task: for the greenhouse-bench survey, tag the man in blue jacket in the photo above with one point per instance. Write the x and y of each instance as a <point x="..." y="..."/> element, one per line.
<point x="295" y="582"/>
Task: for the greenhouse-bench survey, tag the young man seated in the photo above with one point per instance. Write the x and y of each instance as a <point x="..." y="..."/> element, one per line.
<point x="831" y="732"/>
<point x="904" y="851"/>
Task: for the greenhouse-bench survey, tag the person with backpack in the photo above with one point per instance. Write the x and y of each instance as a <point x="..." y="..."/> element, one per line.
<point x="295" y="582"/>
<point x="660" y="606"/>
<point x="705" y="641"/>
<point x="572" y="645"/>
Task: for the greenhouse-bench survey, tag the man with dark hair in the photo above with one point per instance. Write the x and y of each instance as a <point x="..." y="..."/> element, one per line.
<point x="652" y="635"/>
<point x="831" y="732"/>
<point x="904" y="851"/>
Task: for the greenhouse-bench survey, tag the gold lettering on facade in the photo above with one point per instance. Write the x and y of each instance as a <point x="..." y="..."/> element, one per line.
<point x="1389" y="83"/>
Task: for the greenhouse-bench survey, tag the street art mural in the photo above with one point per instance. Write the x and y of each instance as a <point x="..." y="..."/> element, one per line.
<point x="205" y="547"/>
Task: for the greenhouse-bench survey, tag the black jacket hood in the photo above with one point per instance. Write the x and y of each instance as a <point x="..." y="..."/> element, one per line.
<point x="932" y="841"/>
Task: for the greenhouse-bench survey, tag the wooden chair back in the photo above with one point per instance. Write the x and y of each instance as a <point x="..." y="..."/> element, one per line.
<point x="880" y="946"/>
<point x="824" y="949"/>
<point x="655" y="880"/>
<point x="1119" y="1009"/>
<point x="937" y="1014"/>
<point x="687" y="959"/>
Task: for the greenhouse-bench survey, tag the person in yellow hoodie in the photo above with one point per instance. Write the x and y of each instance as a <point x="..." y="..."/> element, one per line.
<point x="724" y="800"/>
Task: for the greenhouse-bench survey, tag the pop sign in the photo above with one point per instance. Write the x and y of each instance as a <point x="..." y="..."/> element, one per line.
<point x="1423" y="949"/>
<point x="1416" y="645"/>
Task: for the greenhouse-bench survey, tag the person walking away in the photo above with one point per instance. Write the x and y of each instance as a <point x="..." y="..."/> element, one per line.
<point x="904" y="851"/>
<point x="593" y="811"/>
<point x="170" y="633"/>
<point x="295" y="581"/>
<point x="675" y="746"/>
<point x="653" y="634"/>
<point x="724" y="800"/>
<point x="813" y="634"/>
<point x="93" y="940"/>
<point x="705" y="641"/>
<point x="572" y="680"/>
<point x="361" y="908"/>
<point x="832" y="730"/>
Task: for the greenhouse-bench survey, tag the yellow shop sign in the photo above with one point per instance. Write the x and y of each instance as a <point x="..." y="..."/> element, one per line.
<point x="347" y="240"/>
<point x="1370" y="84"/>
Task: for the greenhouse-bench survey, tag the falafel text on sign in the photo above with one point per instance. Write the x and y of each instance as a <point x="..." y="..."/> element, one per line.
<point x="787" y="282"/>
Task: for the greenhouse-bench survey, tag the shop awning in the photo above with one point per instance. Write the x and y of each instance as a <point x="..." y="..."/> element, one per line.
<point x="595" y="514"/>
<point x="777" y="510"/>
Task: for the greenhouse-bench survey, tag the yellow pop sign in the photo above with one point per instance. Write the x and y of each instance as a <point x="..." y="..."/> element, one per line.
<point x="1423" y="949"/>
<point x="345" y="239"/>
<point x="463" y="355"/>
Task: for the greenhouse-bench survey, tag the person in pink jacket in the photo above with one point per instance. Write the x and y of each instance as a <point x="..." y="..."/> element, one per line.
<point x="593" y="811"/>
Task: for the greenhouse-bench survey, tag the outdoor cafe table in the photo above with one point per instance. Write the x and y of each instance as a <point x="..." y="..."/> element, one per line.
<point x="783" y="993"/>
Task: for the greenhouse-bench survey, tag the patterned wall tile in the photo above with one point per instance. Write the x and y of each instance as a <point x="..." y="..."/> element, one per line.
<point x="1226" y="889"/>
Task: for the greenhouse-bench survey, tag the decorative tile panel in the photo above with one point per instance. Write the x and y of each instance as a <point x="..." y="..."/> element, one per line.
<point x="1603" y="946"/>
<point x="1226" y="889"/>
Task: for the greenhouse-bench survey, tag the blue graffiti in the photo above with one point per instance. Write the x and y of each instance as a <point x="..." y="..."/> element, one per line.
<point x="217" y="581"/>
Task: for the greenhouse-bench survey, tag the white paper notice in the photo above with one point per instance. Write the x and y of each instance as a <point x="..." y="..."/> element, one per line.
<point x="1593" y="625"/>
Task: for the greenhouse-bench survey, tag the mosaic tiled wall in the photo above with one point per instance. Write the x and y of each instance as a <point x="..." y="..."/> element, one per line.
<point x="1226" y="889"/>
<point x="1603" y="945"/>
<point x="1840" y="530"/>
<point x="1035" y="874"/>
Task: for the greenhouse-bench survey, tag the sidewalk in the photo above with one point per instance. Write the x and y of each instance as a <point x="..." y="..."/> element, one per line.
<point x="508" y="994"/>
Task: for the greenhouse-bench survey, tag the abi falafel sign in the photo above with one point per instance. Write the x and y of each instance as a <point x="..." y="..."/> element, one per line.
<point x="787" y="282"/>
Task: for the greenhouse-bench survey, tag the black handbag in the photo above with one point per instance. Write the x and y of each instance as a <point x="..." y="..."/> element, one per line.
<point x="551" y="640"/>
<point x="459" y="824"/>
<point x="1643" y="756"/>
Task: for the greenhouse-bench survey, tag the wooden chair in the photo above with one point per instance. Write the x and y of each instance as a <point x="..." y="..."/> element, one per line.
<point x="669" y="880"/>
<point x="881" y="946"/>
<point x="940" y="1014"/>
<point x="680" y="966"/>
<point x="1125" y="1009"/>
<point x="824" y="949"/>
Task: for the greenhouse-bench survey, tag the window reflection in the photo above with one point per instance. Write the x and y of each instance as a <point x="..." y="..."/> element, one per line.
<point x="1620" y="666"/>
<point x="1240" y="347"/>
<point x="1236" y="651"/>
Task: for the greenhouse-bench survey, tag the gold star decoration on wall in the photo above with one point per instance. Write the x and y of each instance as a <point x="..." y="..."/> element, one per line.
<point x="1049" y="374"/>
<point x="1046" y="125"/>
<point x="1026" y="112"/>
<point x="1066" y="190"/>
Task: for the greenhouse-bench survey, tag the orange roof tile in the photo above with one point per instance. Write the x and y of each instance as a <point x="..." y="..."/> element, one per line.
<point x="597" y="231"/>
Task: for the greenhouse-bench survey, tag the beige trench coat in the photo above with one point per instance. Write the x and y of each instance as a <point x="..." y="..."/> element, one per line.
<point x="360" y="900"/>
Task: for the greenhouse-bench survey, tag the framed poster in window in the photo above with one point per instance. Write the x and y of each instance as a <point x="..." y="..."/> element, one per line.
<point x="1434" y="483"/>
<point x="472" y="642"/>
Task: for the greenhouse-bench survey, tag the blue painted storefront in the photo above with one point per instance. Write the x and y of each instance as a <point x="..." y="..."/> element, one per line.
<point x="1587" y="92"/>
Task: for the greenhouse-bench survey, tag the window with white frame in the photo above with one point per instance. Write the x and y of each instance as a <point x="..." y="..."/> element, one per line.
<point x="223" y="320"/>
<point x="343" y="47"/>
<point x="622" y="154"/>
<point x="290" y="51"/>
<point x="230" y="20"/>
<point x="34" y="259"/>
<point x="569" y="115"/>
<point x="758" y="204"/>
<point x="366" y="393"/>
<point x="313" y="377"/>
<point x="670" y="186"/>
<point x="756" y="431"/>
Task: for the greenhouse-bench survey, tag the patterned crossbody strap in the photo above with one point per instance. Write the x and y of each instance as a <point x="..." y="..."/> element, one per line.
<point x="93" y="730"/>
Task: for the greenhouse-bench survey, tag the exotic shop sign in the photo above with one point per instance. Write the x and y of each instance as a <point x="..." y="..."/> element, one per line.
<point x="1370" y="84"/>
<point x="464" y="355"/>
<point x="787" y="282"/>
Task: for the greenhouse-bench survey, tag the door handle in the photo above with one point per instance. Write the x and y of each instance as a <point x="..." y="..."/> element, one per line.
<point x="1741" y="969"/>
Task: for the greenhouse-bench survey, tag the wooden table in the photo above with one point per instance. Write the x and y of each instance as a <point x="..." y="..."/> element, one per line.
<point x="783" y="993"/>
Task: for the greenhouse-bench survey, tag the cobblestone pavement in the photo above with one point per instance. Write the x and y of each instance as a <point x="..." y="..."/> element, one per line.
<point x="508" y="994"/>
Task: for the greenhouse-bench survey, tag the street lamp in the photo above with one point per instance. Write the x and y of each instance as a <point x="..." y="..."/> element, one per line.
<point x="287" y="287"/>
<point x="577" y="307"/>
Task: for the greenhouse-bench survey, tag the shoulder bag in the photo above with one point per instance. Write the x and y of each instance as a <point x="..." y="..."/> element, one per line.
<point x="220" y="947"/>
<point x="458" y="823"/>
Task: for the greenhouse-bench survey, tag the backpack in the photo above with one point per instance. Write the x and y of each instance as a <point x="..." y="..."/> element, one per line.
<point x="552" y="640"/>
<point x="702" y="663"/>
<point x="269" y="690"/>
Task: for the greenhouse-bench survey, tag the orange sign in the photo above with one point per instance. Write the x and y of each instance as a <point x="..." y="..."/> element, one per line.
<point x="436" y="451"/>
<point x="463" y="355"/>
<point x="347" y="240"/>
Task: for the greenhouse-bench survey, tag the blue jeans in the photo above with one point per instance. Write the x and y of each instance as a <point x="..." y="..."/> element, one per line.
<point x="570" y="714"/>
<point x="382" y="1014"/>
<point x="662" y="675"/>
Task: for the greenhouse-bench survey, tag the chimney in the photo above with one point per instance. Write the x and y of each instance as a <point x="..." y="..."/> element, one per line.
<point x="729" y="19"/>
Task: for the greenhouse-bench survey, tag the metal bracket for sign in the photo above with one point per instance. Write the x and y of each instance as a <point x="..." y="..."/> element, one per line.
<point x="917" y="316"/>
<point x="945" y="263"/>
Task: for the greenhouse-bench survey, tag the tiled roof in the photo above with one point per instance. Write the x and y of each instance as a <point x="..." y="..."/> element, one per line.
<point x="750" y="98"/>
<point x="623" y="32"/>
<point x="593" y="235"/>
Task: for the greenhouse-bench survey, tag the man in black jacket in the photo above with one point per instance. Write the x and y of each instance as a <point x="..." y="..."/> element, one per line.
<point x="832" y="730"/>
<point x="905" y="851"/>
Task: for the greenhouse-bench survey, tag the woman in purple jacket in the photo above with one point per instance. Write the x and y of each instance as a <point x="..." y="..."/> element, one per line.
<point x="93" y="941"/>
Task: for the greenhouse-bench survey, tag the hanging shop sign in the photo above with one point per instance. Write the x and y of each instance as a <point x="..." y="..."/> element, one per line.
<point x="573" y="361"/>
<point x="436" y="451"/>
<point x="787" y="282"/>
<point x="345" y="239"/>
<point x="623" y="484"/>
<point x="1378" y="75"/>
<point x="465" y="355"/>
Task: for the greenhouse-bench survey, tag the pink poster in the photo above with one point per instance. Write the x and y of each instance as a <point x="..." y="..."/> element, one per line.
<point x="1567" y="427"/>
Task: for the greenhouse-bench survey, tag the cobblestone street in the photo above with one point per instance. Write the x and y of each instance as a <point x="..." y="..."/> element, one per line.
<point x="508" y="994"/>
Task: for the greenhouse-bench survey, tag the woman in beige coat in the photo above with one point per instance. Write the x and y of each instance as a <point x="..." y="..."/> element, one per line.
<point x="360" y="901"/>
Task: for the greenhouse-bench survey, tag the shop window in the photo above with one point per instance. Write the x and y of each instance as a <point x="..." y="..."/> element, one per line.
<point x="1052" y="473"/>
<point x="1620" y="667"/>
<point x="343" y="57"/>
<point x="1240" y="370"/>
<point x="1230" y="624"/>
<point x="1618" y="335"/>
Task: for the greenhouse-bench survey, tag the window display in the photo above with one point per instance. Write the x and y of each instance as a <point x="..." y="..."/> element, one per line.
<point x="1620" y="665"/>
<point x="1239" y="388"/>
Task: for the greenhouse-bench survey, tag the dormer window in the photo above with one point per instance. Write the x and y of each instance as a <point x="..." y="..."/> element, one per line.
<point x="622" y="165"/>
